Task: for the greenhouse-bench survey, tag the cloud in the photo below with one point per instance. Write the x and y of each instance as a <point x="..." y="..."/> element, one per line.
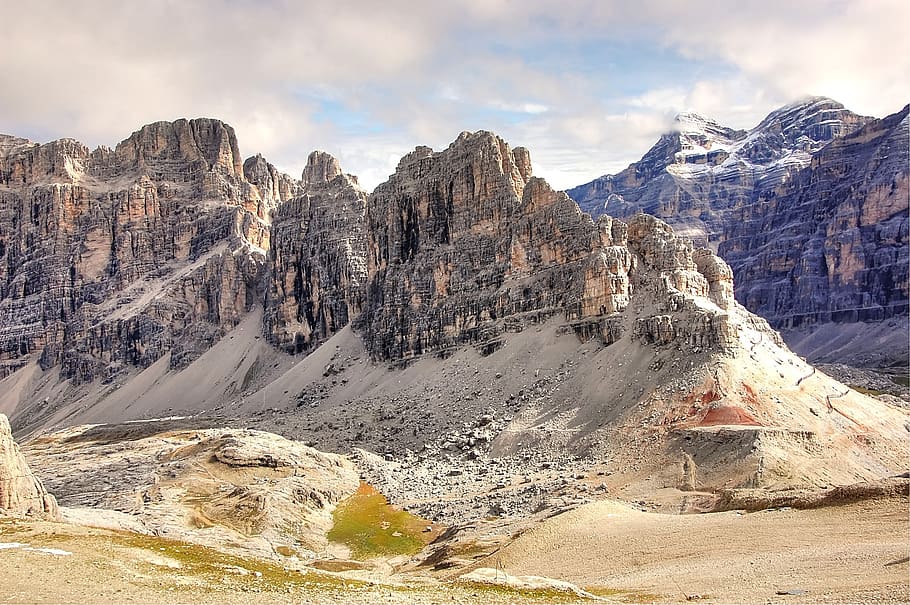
<point x="587" y="86"/>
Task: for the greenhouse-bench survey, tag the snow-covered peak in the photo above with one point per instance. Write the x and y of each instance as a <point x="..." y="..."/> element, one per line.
<point x="689" y="123"/>
<point x="809" y="123"/>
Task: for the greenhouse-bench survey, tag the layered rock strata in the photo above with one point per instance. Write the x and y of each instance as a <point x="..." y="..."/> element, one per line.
<point x="463" y="243"/>
<point x="318" y="258"/>
<point x="230" y="489"/>
<point x="111" y="258"/>
<point x="832" y="243"/>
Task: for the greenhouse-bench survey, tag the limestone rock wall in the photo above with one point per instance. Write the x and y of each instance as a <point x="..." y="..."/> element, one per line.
<point x="318" y="258"/>
<point x="116" y="257"/>
<point x="464" y="244"/>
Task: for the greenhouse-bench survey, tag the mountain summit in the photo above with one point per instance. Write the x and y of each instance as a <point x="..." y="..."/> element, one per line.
<point x="808" y="208"/>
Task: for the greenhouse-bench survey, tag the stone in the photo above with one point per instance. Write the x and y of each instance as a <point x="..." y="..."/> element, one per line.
<point x="20" y="491"/>
<point x="461" y="246"/>
<point x="250" y="491"/>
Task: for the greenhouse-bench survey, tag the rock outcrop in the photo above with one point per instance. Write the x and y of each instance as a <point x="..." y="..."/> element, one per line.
<point x="237" y="490"/>
<point x="464" y="243"/>
<point x="809" y="208"/>
<point x="20" y="491"/>
<point x="318" y="258"/>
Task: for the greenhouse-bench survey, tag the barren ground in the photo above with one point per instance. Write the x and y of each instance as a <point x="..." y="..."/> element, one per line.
<point x="850" y="554"/>
<point x="839" y="554"/>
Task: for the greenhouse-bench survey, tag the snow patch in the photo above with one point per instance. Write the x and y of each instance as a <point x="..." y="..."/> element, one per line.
<point x="50" y="551"/>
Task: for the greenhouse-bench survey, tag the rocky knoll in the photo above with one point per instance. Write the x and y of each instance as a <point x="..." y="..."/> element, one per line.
<point x="231" y="489"/>
<point x="809" y="208"/>
<point x="20" y="490"/>
<point x="318" y="258"/>
<point x="114" y="257"/>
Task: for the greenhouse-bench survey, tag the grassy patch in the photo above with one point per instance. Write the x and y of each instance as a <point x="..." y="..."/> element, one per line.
<point x="901" y="379"/>
<point x="368" y="525"/>
<point x="865" y="391"/>
<point x="623" y="595"/>
<point x="222" y="568"/>
<point x="531" y="595"/>
<point x="211" y="568"/>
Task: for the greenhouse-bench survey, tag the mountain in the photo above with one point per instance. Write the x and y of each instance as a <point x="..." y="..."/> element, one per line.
<point x="113" y="258"/>
<point x="809" y="208"/>
<point x="464" y="320"/>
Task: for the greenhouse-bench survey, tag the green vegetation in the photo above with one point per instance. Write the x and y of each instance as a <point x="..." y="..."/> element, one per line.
<point x="865" y="391"/>
<point x="902" y="379"/>
<point x="531" y="595"/>
<point x="218" y="570"/>
<point x="370" y="527"/>
<point x="623" y="595"/>
<point x="199" y="561"/>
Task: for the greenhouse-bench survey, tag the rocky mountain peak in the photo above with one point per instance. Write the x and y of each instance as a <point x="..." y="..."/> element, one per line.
<point x="20" y="491"/>
<point x="806" y="125"/>
<point x="321" y="167"/>
<point x="461" y="242"/>
<point x="274" y="187"/>
<point x="836" y="179"/>
<point x="205" y="141"/>
<point x="692" y="126"/>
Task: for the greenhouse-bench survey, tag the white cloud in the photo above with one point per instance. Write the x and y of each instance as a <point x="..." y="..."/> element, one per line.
<point x="368" y="81"/>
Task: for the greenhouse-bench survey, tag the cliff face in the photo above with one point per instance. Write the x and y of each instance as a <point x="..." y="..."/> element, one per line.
<point x="463" y="245"/>
<point x="115" y="257"/>
<point x="832" y="243"/>
<point x="809" y="208"/>
<point x="318" y="258"/>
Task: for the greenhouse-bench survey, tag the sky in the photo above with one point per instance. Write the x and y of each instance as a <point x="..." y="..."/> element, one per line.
<point x="586" y="86"/>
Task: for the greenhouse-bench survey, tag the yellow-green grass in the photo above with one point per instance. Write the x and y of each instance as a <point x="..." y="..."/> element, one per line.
<point x="865" y="391"/>
<point x="368" y="525"/>
<point x="624" y="595"/>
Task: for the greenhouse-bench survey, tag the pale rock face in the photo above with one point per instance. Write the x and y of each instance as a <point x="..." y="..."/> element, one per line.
<point x="117" y="257"/>
<point x="274" y="187"/>
<point x="20" y="491"/>
<point x="231" y="489"/>
<point x="321" y="168"/>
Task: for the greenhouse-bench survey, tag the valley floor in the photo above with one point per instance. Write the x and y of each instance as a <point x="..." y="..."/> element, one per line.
<point x="838" y="554"/>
